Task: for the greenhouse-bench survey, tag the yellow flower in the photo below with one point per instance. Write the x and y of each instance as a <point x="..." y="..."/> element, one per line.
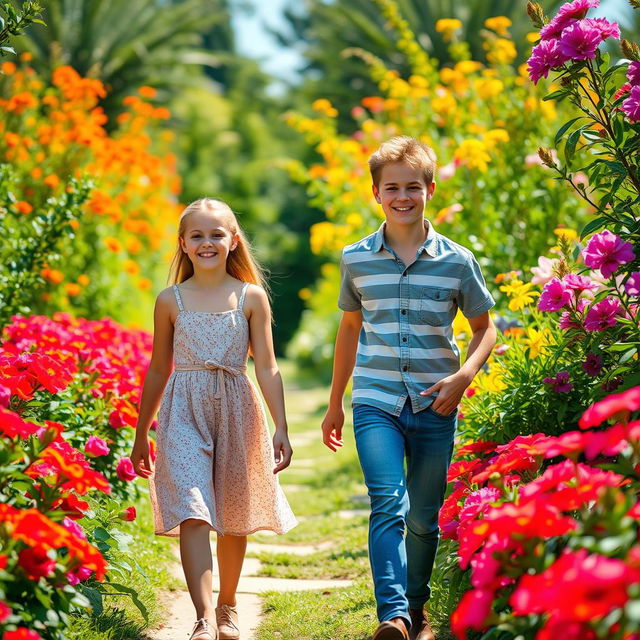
<point x="500" y="51"/>
<point x="532" y="37"/>
<point x="499" y="24"/>
<point x="519" y="293"/>
<point x="568" y="234"/>
<point x="489" y="87"/>
<point x="322" y="105"/>
<point x="492" y="137"/>
<point x="468" y="66"/>
<point x="444" y="103"/>
<point x="447" y="26"/>
<point x="304" y="294"/>
<point x="473" y="153"/>
<point x="536" y="340"/>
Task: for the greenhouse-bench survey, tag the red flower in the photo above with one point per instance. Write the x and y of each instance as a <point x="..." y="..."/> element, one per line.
<point x="476" y="447"/>
<point x="577" y="587"/>
<point x="462" y="469"/>
<point x="128" y="515"/>
<point x="21" y="633"/>
<point x="472" y="612"/>
<point x="12" y="425"/>
<point x="3" y="560"/>
<point x="597" y="413"/>
<point x="36" y="563"/>
<point x="72" y="506"/>
<point x="125" y="470"/>
<point x="5" y="611"/>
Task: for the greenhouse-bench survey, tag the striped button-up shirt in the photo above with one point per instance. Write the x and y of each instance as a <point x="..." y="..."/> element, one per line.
<point x="406" y="343"/>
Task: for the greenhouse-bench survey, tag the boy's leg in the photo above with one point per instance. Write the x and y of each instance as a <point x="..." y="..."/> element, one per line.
<point x="381" y="445"/>
<point x="429" y="449"/>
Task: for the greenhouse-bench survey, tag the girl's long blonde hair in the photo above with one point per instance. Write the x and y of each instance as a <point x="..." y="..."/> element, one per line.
<point x="241" y="263"/>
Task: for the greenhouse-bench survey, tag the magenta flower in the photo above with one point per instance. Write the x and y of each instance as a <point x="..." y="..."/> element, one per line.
<point x="592" y="364"/>
<point x="560" y="382"/>
<point x="5" y="396"/>
<point x="125" y="470"/>
<point x="631" y="106"/>
<point x="579" y="41"/>
<point x="603" y="314"/>
<point x="607" y="29"/>
<point x="606" y="252"/>
<point x="96" y="446"/>
<point x="579" y="283"/>
<point x="555" y="296"/>
<point x="544" y="57"/>
<point x="567" y="321"/>
<point x="633" y="73"/>
<point x="632" y="285"/>
<point x="567" y="15"/>
<point x="74" y="528"/>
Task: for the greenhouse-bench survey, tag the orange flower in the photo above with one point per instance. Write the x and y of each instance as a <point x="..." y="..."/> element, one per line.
<point x="23" y="207"/>
<point x="36" y="173"/>
<point x="8" y="68"/>
<point x="52" y="180"/>
<point x="144" y="284"/>
<point x="131" y="267"/>
<point x="83" y="280"/>
<point x="72" y="289"/>
<point x="26" y="56"/>
<point x="12" y="139"/>
<point x="55" y="276"/>
<point x="113" y="244"/>
<point x="147" y="92"/>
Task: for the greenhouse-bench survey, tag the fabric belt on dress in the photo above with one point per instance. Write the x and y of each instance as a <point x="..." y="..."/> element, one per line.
<point x="215" y="367"/>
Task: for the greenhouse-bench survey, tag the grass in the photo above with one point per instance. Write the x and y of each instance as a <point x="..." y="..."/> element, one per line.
<point x="121" y="619"/>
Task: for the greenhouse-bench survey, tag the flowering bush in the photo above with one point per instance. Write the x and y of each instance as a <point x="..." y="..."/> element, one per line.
<point x="111" y="237"/>
<point x="548" y="527"/>
<point x="485" y="123"/>
<point x="66" y="386"/>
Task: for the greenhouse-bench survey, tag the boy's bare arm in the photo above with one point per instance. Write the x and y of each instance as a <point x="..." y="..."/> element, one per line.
<point x="344" y="359"/>
<point x="451" y="388"/>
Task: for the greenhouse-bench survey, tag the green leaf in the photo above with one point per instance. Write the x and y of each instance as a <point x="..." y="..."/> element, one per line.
<point x="570" y="146"/>
<point x="628" y="355"/>
<point x="94" y="597"/>
<point x="563" y="129"/>
<point x="592" y="226"/>
<point x="134" y="598"/>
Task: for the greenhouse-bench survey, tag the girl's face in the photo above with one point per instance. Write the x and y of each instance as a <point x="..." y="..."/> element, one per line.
<point x="207" y="239"/>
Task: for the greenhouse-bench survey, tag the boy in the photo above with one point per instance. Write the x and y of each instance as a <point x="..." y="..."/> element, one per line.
<point x="401" y="288"/>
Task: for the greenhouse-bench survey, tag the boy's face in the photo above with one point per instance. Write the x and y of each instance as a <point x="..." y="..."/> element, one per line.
<point x="403" y="193"/>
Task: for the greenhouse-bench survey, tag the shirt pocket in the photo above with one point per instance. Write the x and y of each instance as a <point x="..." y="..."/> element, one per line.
<point x="437" y="306"/>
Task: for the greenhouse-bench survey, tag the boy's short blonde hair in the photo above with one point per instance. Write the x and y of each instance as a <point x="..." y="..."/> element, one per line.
<point x="403" y="149"/>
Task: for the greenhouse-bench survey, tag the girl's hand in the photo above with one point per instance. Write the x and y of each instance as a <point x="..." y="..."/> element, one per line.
<point x="282" y="451"/>
<point x="449" y="390"/>
<point x="141" y="458"/>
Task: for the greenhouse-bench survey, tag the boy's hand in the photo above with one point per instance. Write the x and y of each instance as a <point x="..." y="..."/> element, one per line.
<point x="282" y="451"/>
<point x="141" y="458"/>
<point x="332" y="427"/>
<point x="449" y="390"/>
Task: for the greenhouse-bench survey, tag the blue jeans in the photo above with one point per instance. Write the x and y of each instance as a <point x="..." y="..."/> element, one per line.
<point x="402" y="567"/>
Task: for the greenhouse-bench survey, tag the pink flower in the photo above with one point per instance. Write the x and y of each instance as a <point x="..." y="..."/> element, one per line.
<point x="555" y="296"/>
<point x="544" y="56"/>
<point x="603" y="314"/>
<point x="579" y="283"/>
<point x="567" y="15"/>
<point x="633" y="73"/>
<point x="125" y="470"/>
<point x="79" y="576"/>
<point x="473" y="610"/>
<point x="96" y="446"/>
<point x="560" y="382"/>
<point x="631" y="106"/>
<point x="593" y="364"/>
<point x="75" y="528"/>
<point x="544" y="271"/>
<point x="597" y="413"/>
<point x="607" y="29"/>
<point x="447" y="171"/>
<point x="568" y="321"/>
<point x="579" y="41"/>
<point x="632" y="285"/>
<point x="606" y="251"/>
<point x="5" y="612"/>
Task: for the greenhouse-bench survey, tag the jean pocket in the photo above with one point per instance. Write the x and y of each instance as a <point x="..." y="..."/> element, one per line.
<point x="437" y="306"/>
<point x="433" y="412"/>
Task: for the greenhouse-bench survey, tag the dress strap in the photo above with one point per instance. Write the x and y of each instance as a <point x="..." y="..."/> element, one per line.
<point x="242" y="294"/>
<point x="176" y="291"/>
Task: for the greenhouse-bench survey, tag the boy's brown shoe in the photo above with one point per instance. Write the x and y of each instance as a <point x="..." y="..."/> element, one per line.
<point x="227" y="619"/>
<point x="394" y="629"/>
<point x="202" y="630"/>
<point x="420" y="627"/>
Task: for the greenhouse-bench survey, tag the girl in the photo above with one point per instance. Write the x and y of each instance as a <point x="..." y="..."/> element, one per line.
<point x="214" y="468"/>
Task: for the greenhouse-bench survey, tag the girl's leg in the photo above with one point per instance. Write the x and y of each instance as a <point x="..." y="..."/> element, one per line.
<point x="230" y="552"/>
<point x="197" y="563"/>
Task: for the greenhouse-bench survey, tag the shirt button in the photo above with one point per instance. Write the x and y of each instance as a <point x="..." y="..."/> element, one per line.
<point x="405" y="367"/>
<point x="404" y="338"/>
<point x="403" y="312"/>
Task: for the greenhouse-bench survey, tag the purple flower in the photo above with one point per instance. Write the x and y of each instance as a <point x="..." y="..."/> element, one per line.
<point x="593" y="364"/>
<point x="567" y="15"/>
<point x="633" y="73"/>
<point x="603" y="314"/>
<point x="579" y="283"/>
<point x="631" y="106"/>
<point x="567" y="321"/>
<point x="554" y="296"/>
<point x="606" y="251"/>
<point x="579" y="41"/>
<point x="632" y="285"/>
<point x="560" y="382"/>
<point x="612" y="385"/>
<point x="544" y="57"/>
<point x="607" y="29"/>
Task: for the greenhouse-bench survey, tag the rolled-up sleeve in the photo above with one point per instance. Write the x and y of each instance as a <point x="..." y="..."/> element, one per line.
<point x="349" y="298"/>
<point x="474" y="298"/>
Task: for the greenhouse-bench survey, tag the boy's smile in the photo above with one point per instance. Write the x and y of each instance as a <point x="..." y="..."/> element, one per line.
<point x="403" y="193"/>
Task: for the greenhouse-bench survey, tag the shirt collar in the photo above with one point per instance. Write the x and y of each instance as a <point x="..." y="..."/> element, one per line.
<point x="429" y="246"/>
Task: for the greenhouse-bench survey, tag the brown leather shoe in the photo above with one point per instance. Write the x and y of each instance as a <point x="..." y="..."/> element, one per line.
<point x="420" y="627"/>
<point x="394" y="629"/>
<point x="227" y="619"/>
<point x="202" y="630"/>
